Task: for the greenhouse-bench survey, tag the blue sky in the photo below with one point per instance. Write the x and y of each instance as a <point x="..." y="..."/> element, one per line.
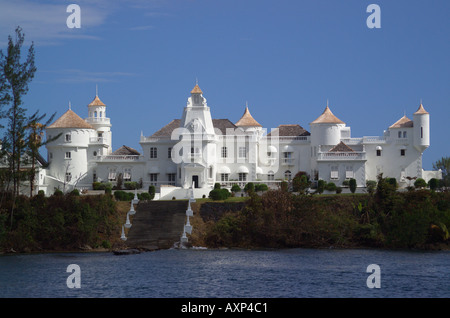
<point x="285" y="58"/>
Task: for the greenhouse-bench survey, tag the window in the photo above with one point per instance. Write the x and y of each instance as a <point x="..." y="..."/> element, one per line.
<point x="224" y="152"/>
<point x="153" y="178"/>
<point x="169" y="153"/>
<point x="287" y="158"/>
<point x="242" y="176"/>
<point x="378" y="153"/>
<point x="270" y="175"/>
<point x="50" y="155"/>
<point x="210" y="172"/>
<point x="68" y="176"/>
<point x="399" y="134"/>
<point x="402" y="152"/>
<point x="68" y="155"/>
<point x="94" y="176"/>
<point x="287" y="175"/>
<point x="153" y="152"/>
<point x="242" y="152"/>
<point x="421" y="132"/>
<point x="334" y="172"/>
<point x="224" y="177"/>
<point x="127" y="174"/>
<point x="100" y="115"/>
<point x="171" y="177"/>
<point x="112" y="175"/>
<point x="404" y="134"/>
<point x="349" y="173"/>
<point x="95" y="114"/>
<point x="95" y="153"/>
<point x="68" y="138"/>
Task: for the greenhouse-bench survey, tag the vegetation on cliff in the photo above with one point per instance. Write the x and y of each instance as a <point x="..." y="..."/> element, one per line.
<point x="386" y="218"/>
<point x="59" y="222"/>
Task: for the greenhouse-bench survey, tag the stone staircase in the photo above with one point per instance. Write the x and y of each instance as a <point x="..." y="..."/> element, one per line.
<point x="157" y="224"/>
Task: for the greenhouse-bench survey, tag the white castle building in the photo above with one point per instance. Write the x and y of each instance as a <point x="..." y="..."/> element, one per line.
<point x="199" y="150"/>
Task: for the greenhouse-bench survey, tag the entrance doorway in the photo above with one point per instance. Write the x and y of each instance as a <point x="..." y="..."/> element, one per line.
<point x="195" y="181"/>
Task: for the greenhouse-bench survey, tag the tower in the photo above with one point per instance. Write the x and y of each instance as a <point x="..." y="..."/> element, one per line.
<point x="326" y="129"/>
<point x="102" y="124"/>
<point x="421" y="130"/>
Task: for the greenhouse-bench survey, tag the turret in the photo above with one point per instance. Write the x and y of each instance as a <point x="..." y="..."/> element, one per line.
<point x="102" y="124"/>
<point x="248" y="123"/>
<point x="421" y="119"/>
<point x="326" y="129"/>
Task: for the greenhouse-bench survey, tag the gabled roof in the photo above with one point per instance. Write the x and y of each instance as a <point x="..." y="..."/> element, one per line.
<point x="96" y="102"/>
<point x="291" y="130"/>
<point x="126" y="151"/>
<point x="247" y="120"/>
<point x="421" y="110"/>
<point x="327" y="117"/>
<point x="196" y="90"/>
<point x="166" y="131"/>
<point x="341" y="147"/>
<point x="403" y="122"/>
<point x="70" y="120"/>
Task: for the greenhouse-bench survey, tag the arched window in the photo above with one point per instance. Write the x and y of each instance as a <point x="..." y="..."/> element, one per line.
<point x="95" y="114"/>
<point x="288" y="175"/>
<point x="100" y="114"/>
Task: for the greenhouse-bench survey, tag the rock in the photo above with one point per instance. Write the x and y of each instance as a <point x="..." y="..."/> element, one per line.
<point x="127" y="252"/>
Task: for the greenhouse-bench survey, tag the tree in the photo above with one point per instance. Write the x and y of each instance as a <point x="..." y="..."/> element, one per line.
<point x="433" y="184"/>
<point x="300" y="183"/>
<point x="444" y="165"/>
<point x="320" y="186"/>
<point x="14" y="78"/>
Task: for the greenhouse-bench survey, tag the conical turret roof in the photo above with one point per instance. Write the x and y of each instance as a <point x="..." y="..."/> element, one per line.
<point x="196" y="90"/>
<point x="247" y="120"/>
<point x="327" y="117"/>
<point x="96" y="102"/>
<point x="421" y="110"/>
<point x="70" y="120"/>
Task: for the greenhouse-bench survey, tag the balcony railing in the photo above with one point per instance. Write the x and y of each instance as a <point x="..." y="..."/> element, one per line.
<point x="341" y="156"/>
<point x="98" y="120"/>
<point x="120" y="158"/>
<point x="97" y="140"/>
<point x="272" y="184"/>
<point x="287" y="161"/>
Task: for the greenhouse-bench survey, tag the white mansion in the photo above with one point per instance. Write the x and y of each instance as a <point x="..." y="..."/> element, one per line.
<point x="199" y="150"/>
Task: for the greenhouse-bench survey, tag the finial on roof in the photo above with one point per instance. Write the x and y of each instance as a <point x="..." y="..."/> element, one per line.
<point x="327" y="102"/>
<point x="70" y="106"/>
<point x="96" y="90"/>
<point x="196" y="81"/>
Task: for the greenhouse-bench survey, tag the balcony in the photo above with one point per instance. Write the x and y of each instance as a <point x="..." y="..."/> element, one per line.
<point x="287" y="161"/>
<point x="98" y="140"/>
<point x="98" y="120"/>
<point x="116" y="158"/>
<point x="331" y="156"/>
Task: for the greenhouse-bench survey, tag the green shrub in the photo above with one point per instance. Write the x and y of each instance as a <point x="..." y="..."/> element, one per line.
<point x="420" y="183"/>
<point x="352" y="185"/>
<point x="249" y="187"/>
<point x="261" y="187"/>
<point x="320" y="186"/>
<point x="152" y="191"/>
<point x="235" y="188"/>
<point x="371" y="185"/>
<point x="144" y="196"/>
<point x="345" y="183"/>
<point x="75" y="192"/>
<point x="131" y="185"/>
<point x="433" y="184"/>
<point x="58" y="192"/>
<point x="121" y="195"/>
<point x="219" y="194"/>
<point x="331" y="186"/>
<point x="217" y="186"/>
<point x="338" y="189"/>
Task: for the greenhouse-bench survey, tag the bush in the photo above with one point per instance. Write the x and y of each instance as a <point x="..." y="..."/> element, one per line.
<point x="249" y="187"/>
<point x="144" y="196"/>
<point x="58" y="192"/>
<point x="101" y="185"/>
<point x="151" y="191"/>
<point x="433" y="184"/>
<point x="217" y="186"/>
<point x="331" y="186"/>
<point x="345" y="183"/>
<point x="75" y="192"/>
<point x="120" y="195"/>
<point x="300" y="182"/>
<point x="392" y="181"/>
<point x="420" y="183"/>
<point x="131" y="185"/>
<point x="219" y="194"/>
<point x="371" y="185"/>
<point x="338" y="189"/>
<point x="261" y="187"/>
<point x="352" y="185"/>
<point x="235" y="188"/>
<point x="320" y="186"/>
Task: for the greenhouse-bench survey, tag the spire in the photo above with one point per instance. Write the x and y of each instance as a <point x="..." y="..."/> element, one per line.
<point x="421" y="110"/>
<point x="96" y="90"/>
<point x="70" y="106"/>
